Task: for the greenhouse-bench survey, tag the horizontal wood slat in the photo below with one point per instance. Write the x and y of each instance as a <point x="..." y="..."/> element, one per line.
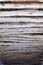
<point x="23" y="30"/>
<point x="22" y="0"/>
<point x="21" y="19"/>
<point x="18" y="25"/>
<point x="21" y="13"/>
<point x="21" y="6"/>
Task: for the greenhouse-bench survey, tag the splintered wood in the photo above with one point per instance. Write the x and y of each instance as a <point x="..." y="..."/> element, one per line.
<point x="21" y="28"/>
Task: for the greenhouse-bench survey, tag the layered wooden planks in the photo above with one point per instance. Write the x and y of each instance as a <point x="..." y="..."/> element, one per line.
<point x="21" y="30"/>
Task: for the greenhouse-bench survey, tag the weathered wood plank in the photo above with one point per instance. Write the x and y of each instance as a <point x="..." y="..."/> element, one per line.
<point x="20" y="25"/>
<point x="22" y="0"/>
<point x="11" y="25"/>
<point x="22" y="44"/>
<point x="21" y="19"/>
<point x="21" y="6"/>
<point x="21" y="40"/>
<point x="16" y="36"/>
<point x="21" y="13"/>
<point x="23" y="30"/>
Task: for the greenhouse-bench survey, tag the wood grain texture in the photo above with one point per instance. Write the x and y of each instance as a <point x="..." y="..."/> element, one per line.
<point x="21" y="6"/>
<point x="21" y="30"/>
<point x="21" y="13"/>
<point x="22" y="0"/>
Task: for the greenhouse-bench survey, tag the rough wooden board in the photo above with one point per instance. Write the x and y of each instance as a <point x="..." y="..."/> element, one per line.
<point x="21" y="6"/>
<point x="22" y="0"/>
<point x="21" y="19"/>
<point x="21" y="13"/>
<point x="21" y="30"/>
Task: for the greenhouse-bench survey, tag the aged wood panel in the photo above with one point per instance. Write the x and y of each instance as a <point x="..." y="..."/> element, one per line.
<point x="21" y="19"/>
<point x="22" y="0"/>
<point x="21" y="13"/>
<point x="21" y="31"/>
<point x="21" y="6"/>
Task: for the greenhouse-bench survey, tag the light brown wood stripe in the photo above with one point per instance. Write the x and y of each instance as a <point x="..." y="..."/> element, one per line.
<point x="22" y="0"/>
